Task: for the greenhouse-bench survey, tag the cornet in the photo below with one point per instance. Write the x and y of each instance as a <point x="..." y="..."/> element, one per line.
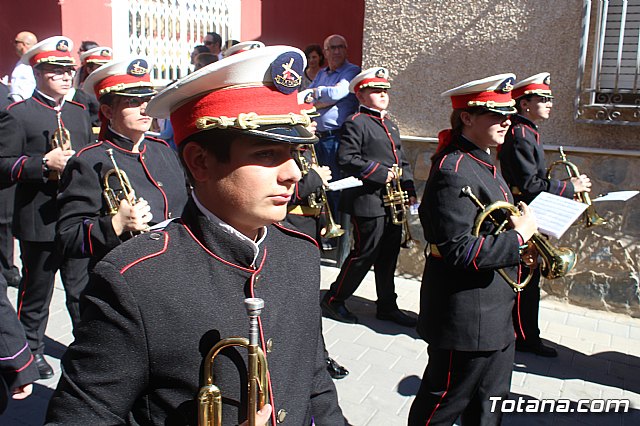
<point x="61" y="137"/>
<point x="319" y="199"/>
<point x="397" y="199"/>
<point x="556" y="262"/>
<point x="591" y="217"/>
<point x="210" y="395"/>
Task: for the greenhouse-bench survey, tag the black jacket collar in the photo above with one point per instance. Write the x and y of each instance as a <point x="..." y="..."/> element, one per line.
<point x="122" y="142"/>
<point x="519" y="119"/>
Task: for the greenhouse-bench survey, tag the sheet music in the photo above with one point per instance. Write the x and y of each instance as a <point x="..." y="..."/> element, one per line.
<point x="617" y="196"/>
<point x="348" y="182"/>
<point x="555" y="214"/>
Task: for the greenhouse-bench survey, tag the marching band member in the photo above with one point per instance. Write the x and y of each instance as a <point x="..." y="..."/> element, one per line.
<point x="87" y="225"/>
<point x="28" y="159"/>
<point x="523" y="167"/>
<point x="465" y="305"/>
<point x="158" y="303"/>
<point x="91" y="60"/>
<point x="369" y="147"/>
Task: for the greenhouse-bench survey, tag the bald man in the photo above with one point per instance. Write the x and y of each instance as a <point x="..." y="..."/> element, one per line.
<point x="22" y="81"/>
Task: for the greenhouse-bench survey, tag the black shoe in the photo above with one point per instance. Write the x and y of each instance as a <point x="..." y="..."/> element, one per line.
<point x="336" y="371"/>
<point x="398" y="317"/>
<point x="338" y="312"/>
<point x="538" y="348"/>
<point x="45" y="370"/>
<point x="13" y="277"/>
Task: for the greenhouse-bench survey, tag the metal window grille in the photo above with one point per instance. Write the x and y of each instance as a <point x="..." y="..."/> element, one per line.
<point x="166" y="31"/>
<point x="608" y="90"/>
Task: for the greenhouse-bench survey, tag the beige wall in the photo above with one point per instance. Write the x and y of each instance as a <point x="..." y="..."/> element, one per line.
<point x="431" y="46"/>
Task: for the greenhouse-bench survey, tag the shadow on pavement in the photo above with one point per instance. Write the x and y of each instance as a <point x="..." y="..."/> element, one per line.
<point x="365" y="310"/>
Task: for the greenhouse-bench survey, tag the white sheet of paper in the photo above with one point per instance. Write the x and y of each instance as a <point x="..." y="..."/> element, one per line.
<point x="617" y="196"/>
<point x="555" y="214"/>
<point x="348" y="182"/>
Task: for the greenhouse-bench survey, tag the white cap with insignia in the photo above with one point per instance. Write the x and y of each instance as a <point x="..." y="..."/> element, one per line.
<point x="377" y="77"/>
<point x="538" y="84"/>
<point x="97" y="55"/>
<point x="492" y="93"/>
<point x="127" y="77"/>
<point x="53" y="50"/>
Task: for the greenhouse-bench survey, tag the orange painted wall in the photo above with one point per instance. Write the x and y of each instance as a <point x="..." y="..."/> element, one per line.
<point x="302" y="23"/>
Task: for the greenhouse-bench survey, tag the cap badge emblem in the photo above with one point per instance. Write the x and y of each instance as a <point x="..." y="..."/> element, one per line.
<point x="286" y="72"/>
<point x="62" y="46"/>
<point x="381" y="73"/>
<point x="138" y="68"/>
<point x="506" y="86"/>
<point x="105" y="52"/>
<point x="547" y="80"/>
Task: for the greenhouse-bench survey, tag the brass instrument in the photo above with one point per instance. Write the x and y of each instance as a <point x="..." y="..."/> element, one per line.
<point x="110" y="197"/>
<point x="61" y="137"/>
<point x="591" y="217"/>
<point x="556" y="262"/>
<point x="210" y="396"/>
<point x="319" y="199"/>
<point x="397" y="199"/>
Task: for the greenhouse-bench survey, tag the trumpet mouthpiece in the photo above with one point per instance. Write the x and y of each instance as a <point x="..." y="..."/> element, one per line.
<point x="466" y="190"/>
<point x="254" y="306"/>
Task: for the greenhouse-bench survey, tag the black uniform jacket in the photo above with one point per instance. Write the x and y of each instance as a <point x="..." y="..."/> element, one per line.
<point x="26" y="128"/>
<point x="155" y="173"/>
<point x="16" y="361"/>
<point x="156" y="305"/>
<point x="523" y="165"/>
<point x="465" y="304"/>
<point x="369" y="146"/>
<point x="90" y="103"/>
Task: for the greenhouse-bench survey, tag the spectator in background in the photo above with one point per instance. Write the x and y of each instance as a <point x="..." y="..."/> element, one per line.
<point x="213" y="41"/>
<point x="201" y="48"/>
<point x="315" y="60"/>
<point x="204" y="59"/>
<point x="23" y="83"/>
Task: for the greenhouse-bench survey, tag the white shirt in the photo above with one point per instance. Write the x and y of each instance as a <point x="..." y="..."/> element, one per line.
<point x="23" y="83"/>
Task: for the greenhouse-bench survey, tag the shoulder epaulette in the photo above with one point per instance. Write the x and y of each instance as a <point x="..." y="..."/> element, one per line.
<point x="295" y="233"/>
<point x="88" y="147"/>
<point x="77" y="104"/>
<point x="14" y="104"/>
<point x="153" y="138"/>
<point x="451" y="161"/>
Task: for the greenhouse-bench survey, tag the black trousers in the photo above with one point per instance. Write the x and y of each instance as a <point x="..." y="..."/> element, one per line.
<point x="376" y="243"/>
<point x="525" y="311"/>
<point x="40" y="262"/>
<point x="459" y="383"/>
<point x="7" y="196"/>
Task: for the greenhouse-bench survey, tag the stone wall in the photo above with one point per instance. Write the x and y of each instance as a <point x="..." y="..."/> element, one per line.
<point x="432" y="46"/>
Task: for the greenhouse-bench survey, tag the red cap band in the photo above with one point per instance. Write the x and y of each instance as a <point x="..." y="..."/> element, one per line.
<point x="115" y="80"/>
<point x="367" y="81"/>
<point x="521" y="91"/>
<point x="231" y="102"/>
<point x="462" y="101"/>
<point x="35" y="59"/>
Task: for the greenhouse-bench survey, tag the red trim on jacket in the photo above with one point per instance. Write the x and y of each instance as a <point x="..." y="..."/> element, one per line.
<point x="301" y="234"/>
<point x="149" y="256"/>
<point x="95" y="145"/>
<point x="446" y="389"/>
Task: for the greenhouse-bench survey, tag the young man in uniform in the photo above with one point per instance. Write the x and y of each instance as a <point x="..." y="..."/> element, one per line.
<point x="159" y="302"/>
<point x="28" y="158"/>
<point x="369" y="147"/>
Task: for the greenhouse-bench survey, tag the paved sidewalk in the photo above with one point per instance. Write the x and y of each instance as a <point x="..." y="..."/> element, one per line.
<point x="599" y="358"/>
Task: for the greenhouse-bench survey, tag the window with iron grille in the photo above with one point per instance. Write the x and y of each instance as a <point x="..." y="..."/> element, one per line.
<point x="609" y="69"/>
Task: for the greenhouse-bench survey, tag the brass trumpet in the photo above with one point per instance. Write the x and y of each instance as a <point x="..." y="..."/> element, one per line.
<point x="397" y="199"/>
<point x="110" y="197"/>
<point x="210" y="396"/>
<point x="319" y="199"/>
<point x="591" y="217"/>
<point x="556" y="262"/>
<point x="61" y="137"/>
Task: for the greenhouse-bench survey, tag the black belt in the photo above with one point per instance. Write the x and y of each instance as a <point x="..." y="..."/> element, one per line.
<point x="328" y="133"/>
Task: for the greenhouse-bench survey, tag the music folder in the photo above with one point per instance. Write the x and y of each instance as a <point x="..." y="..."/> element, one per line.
<point x="348" y="182"/>
<point x="555" y="214"/>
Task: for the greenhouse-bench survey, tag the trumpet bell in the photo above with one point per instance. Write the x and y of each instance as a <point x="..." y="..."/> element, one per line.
<point x="564" y="259"/>
<point x="592" y="218"/>
<point x="333" y="230"/>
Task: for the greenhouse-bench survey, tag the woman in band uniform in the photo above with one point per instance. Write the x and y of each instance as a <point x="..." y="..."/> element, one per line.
<point x="465" y="305"/>
<point x="85" y="226"/>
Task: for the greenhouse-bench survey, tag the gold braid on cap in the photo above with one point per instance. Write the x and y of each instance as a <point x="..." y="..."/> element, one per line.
<point x="252" y="121"/>
<point x="491" y="104"/>
<point x="122" y="86"/>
